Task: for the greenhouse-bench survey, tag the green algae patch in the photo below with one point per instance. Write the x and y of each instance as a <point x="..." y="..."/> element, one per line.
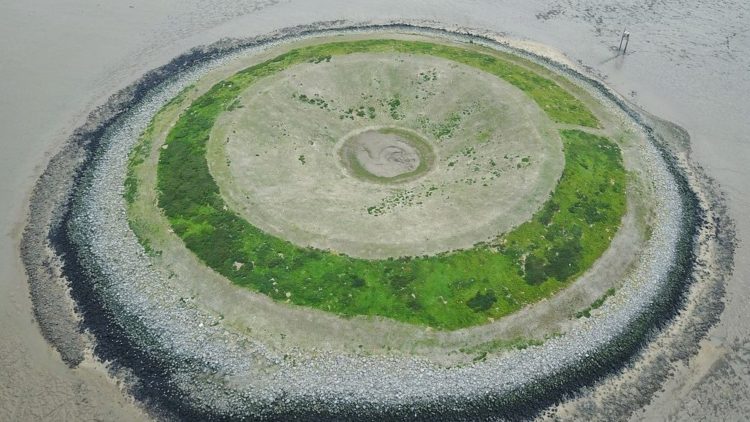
<point x="446" y="291"/>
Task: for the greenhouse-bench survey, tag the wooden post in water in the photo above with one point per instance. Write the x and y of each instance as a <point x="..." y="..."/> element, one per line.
<point x="625" y="37"/>
<point x="627" y="40"/>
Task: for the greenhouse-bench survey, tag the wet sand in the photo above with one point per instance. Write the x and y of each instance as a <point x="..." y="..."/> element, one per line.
<point x="688" y="63"/>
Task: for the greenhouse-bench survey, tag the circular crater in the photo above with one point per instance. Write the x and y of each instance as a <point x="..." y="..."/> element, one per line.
<point x="386" y="155"/>
<point x="288" y="157"/>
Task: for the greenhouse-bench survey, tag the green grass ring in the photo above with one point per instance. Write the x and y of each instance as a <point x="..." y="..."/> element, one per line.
<point x="447" y="291"/>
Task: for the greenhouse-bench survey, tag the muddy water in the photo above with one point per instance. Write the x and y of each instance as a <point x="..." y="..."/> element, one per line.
<point x="688" y="62"/>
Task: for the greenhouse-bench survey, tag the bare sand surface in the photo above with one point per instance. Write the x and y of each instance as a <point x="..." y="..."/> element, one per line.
<point x="689" y="63"/>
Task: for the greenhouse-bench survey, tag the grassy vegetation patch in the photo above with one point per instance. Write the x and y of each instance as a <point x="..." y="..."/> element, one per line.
<point x="585" y="313"/>
<point x="519" y="343"/>
<point x="447" y="291"/>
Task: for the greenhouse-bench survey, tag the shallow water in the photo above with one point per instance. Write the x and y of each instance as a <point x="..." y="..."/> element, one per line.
<point x="687" y="61"/>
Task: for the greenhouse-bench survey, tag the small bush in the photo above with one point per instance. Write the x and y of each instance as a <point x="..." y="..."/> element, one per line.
<point x="482" y="301"/>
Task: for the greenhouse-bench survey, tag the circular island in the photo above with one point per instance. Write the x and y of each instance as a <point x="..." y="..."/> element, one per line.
<point x="385" y="224"/>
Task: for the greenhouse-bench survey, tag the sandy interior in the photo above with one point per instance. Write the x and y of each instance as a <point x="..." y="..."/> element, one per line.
<point x="276" y="161"/>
